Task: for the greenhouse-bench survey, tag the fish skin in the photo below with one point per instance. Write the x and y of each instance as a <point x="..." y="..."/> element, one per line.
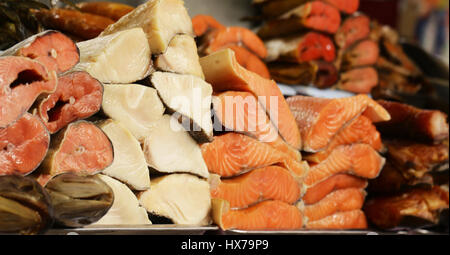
<point x="268" y="183"/>
<point x="233" y="154"/>
<point x="357" y="159"/>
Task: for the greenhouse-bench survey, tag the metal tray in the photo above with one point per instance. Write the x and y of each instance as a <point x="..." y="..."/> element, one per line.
<point x="332" y="232"/>
<point x="134" y="230"/>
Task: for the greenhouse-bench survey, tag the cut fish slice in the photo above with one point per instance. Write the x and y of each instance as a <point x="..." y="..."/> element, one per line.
<point x="269" y="183"/>
<point x="125" y="209"/>
<point x="278" y="7"/>
<point x="53" y="49"/>
<point x="359" y="80"/>
<point x="180" y="57"/>
<point x="360" y="130"/>
<point x="267" y="215"/>
<point x="77" y="96"/>
<point x="111" y="10"/>
<point x="129" y="165"/>
<point x="342" y="220"/>
<point x="219" y="38"/>
<point x="233" y="154"/>
<point x="190" y="97"/>
<point x="136" y="107"/>
<point x="250" y="61"/>
<point x="161" y="20"/>
<point x="22" y="80"/>
<point x="123" y="57"/>
<point x="342" y="200"/>
<point x="168" y="148"/>
<point x="224" y="73"/>
<point x="306" y="47"/>
<point x="241" y="112"/>
<point x="358" y="159"/>
<point x="183" y="198"/>
<point x="294" y="73"/>
<point x="80" y="148"/>
<point x="364" y="53"/>
<point x="336" y="182"/>
<point x="320" y="119"/>
<point x="314" y="15"/>
<point x="353" y="29"/>
<point x="23" y="145"/>
<point x="203" y="24"/>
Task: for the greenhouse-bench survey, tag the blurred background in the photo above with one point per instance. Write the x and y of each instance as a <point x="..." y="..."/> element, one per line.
<point x="425" y="22"/>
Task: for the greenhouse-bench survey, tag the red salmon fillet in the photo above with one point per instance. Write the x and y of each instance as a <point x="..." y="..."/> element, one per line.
<point x="224" y="73"/>
<point x="250" y="61"/>
<point x="336" y="182"/>
<point x="241" y="112"/>
<point x="202" y="24"/>
<point x="358" y="159"/>
<point x="268" y="183"/>
<point x="267" y="215"/>
<point x="320" y="119"/>
<point x="23" y="145"/>
<point x="78" y="96"/>
<point x="360" y="130"/>
<point x="233" y="154"/>
<point x="22" y="80"/>
<point x="343" y="220"/>
<point x="342" y="200"/>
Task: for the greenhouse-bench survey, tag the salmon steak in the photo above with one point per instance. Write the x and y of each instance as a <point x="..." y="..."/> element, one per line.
<point x="250" y="61"/>
<point x="77" y="96"/>
<point x="360" y="130"/>
<point x="203" y="24"/>
<point x="241" y="112"/>
<point x="220" y="38"/>
<point x="359" y="80"/>
<point x="22" y="80"/>
<point x="336" y="182"/>
<point x="342" y="200"/>
<point x="23" y="145"/>
<point x="364" y="53"/>
<point x="342" y="220"/>
<point x="224" y="73"/>
<point x="320" y="119"/>
<point x="53" y="49"/>
<point x="81" y="148"/>
<point x="233" y="154"/>
<point x="414" y="123"/>
<point x="314" y="15"/>
<point x="353" y="29"/>
<point x="267" y="215"/>
<point x="268" y="183"/>
<point x="357" y="159"/>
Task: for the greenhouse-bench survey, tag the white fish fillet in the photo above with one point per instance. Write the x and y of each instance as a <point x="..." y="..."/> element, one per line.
<point x="122" y="57"/>
<point x="191" y="97"/>
<point x="129" y="165"/>
<point x="169" y="148"/>
<point x="161" y="20"/>
<point x="137" y="107"/>
<point x="183" y="198"/>
<point x="125" y="209"/>
<point x="180" y="57"/>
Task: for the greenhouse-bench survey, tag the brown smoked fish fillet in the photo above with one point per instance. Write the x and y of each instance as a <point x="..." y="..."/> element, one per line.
<point x="241" y="112"/>
<point x="22" y="80"/>
<point x="320" y="119"/>
<point x="342" y="220"/>
<point x="267" y="215"/>
<point x="268" y="183"/>
<point x="336" y="182"/>
<point x="342" y="200"/>
<point x="224" y="73"/>
<point x="233" y="154"/>
<point x="358" y="159"/>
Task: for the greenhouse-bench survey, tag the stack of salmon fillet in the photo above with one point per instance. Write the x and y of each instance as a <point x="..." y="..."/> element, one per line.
<point x="343" y="149"/>
<point x="249" y="49"/>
